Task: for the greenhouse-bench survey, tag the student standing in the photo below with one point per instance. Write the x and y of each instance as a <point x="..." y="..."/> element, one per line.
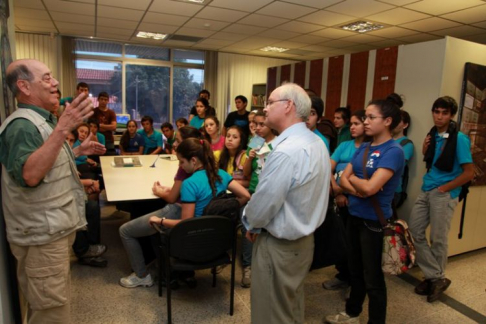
<point x="341" y="122"/>
<point x="447" y="154"/>
<point x="289" y="203"/>
<point x="315" y="116"/>
<point x="232" y="157"/>
<point x="202" y="108"/>
<point x="400" y="136"/>
<point x="211" y="111"/>
<point x="238" y="117"/>
<point x="154" y="143"/>
<point x="364" y="233"/>
<point x="107" y="121"/>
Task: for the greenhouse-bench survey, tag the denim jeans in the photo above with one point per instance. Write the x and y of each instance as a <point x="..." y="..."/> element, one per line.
<point x="434" y="208"/>
<point x="365" y="243"/>
<point x="246" y="249"/>
<point x="140" y="227"/>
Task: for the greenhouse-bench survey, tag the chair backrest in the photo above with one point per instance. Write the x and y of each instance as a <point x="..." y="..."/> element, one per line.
<point x="202" y="239"/>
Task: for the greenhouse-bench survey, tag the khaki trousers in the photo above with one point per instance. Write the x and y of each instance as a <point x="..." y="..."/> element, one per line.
<point x="279" y="268"/>
<point x="43" y="273"/>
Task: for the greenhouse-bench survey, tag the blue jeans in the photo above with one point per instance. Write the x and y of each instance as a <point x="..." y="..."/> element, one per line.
<point x="246" y="249"/>
<point x="365" y="244"/>
<point x="140" y="227"/>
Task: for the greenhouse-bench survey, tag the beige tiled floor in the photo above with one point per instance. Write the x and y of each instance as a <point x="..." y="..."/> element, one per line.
<point x="98" y="298"/>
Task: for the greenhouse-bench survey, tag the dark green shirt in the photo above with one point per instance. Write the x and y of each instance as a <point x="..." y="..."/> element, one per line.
<point x="19" y="140"/>
<point x="344" y="135"/>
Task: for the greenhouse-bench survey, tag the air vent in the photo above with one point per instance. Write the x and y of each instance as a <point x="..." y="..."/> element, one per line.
<point x="184" y="38"/>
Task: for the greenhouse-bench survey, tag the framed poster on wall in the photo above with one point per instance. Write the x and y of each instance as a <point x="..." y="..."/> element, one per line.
<point x="472" y="116"/>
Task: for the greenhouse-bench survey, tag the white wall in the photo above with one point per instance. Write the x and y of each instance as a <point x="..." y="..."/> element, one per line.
<point x="236" y="75"/>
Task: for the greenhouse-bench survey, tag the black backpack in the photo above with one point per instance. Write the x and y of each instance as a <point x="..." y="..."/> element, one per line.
<point x="402" y="196"/>
<point x="223" y="204"/>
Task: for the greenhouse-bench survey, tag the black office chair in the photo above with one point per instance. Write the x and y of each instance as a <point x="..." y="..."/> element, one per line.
<point x="195" y="244"/>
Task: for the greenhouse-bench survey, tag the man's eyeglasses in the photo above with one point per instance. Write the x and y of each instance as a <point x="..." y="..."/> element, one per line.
<point x="370" y="117"/>
<point x="271" y="102"/>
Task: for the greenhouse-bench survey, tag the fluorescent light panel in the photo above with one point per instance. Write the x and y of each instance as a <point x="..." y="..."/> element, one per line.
<point x="362" y="26"/>
<point x="274" y="49"/>
<point x="193" y="1"/>
<point x="155" y="36"/>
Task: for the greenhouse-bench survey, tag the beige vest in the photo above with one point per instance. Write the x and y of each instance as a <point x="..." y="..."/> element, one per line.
<point x="53" y="209"/>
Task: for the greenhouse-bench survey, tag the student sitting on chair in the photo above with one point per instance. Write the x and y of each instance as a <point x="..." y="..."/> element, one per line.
<point x="131" y="142"/>
<point x="154" y="143"/>
<point x="170" y="135"/>
<point x="211" y="129"/>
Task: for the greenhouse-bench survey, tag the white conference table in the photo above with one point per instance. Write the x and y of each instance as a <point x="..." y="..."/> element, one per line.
<point x="135" y="183"/>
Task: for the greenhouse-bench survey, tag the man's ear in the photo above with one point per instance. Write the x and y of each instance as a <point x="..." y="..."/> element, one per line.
<point x="24" y="86"/>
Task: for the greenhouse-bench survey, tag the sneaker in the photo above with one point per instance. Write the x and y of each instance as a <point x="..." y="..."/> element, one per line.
<point x="133" y="281"/>
<point x="94" y="262"/>
<point x="335" y="284"/>
<point x="423" y="288"/>
<point x="246" y="277"/>
<point x="437" y="287"/>
<point x="341" y="318"/>
<point x="94" y="250"/>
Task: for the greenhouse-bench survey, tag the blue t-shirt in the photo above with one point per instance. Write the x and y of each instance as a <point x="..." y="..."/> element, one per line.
<point x="152" y="142"/>
<point x="135" y="142"/>
<point x="101" y="138"/>
<point x="408" y="152"/>
<point x="82" y="158"/>
<point x="435" y="177"/>
<point x="322" y="137"/>
<point x="342" y="156"/>
<point x="388" y="155"/>
<point x="196" y="122"/>
<point x="196" y="189"/>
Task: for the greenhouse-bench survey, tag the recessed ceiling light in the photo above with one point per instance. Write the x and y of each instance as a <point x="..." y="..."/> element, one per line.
<point x="155" y="36"/>
<point x="274" y="49"/>
<point x="193" y="1"/>
<point x="362" y="26"/>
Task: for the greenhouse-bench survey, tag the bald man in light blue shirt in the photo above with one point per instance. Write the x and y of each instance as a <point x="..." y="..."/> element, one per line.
<point x="289" y="203"/>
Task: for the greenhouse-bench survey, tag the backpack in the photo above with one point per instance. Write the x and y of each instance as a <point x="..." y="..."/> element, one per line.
<point x="327" y="128"/>
<point x="225" y="205"/>
<point x="402" y="196"/>
<point x="398" y="253"/>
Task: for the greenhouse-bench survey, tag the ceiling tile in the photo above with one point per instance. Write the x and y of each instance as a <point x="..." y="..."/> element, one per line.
<point x="206" y="46"/>
<point x="359" y="8"/>
<point x="279" y="34"/>
<point x="439" y="7"/>
<point x="430" y="24"/>
<point x="33" y="4"/>
<point x="363" y="38"/>
<point x="309" y="39"/>
<point x="247" y="5"/>
<point x="244" y="29"/>
<point x="35" y="23"/>
<point x="216" y="42"/>
<point x="119" y="13"/>
<point x="255" y="42"/>
<point x="393" y="32"/>
<point x="81" y="19"/>
<point x="285" y="10"/>
<point x="338" y="52"/>
<point x="397" y="16"/>
<point x="156" y="28"/>
<point x="361" y="48"/>
<point x="176" y="43"/>
<point x="388" y="43"/>
<point x="115" y="31"/>
<point x="317" y="48"/>
<point x="221" y="14"/>
<point x="481" y="24"/>
<point x="332" y="33"/>
<point x="171" y="20"/>
<point x="75" y="29"/>
<point x="32" y="14"/>
<point x="206" y="24"/>
<point x="398" y="2"/>
<point x="146" y="41"/>
<point x="419" y="38"/>
<point x="130" y="4"/>
<point x="70" y="7"/>
<point x="174" y="7"/>
<point x="459" y="31"/>
<point x="468" y="16"/>
<point x="195" y="32"/>
<point x="337" y="43"/>
<point x="262" y="21"/>
<point x="288" y="44"/>
<point x="229" y="36"/>
<point x="326" y="18"/>
<point x="112" y="36"/>
<point x="234" y="49"/>
<point x="299" y="27"/>
<point x="318" y="4"/>
<point x="108" y="22"/>
<point x="26" y="28"/>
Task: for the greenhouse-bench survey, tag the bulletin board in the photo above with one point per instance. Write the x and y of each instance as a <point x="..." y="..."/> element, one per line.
<point x="472" y="116"/>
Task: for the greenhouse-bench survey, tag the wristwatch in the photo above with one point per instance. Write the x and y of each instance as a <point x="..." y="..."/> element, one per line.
<point x="162" y="221"/>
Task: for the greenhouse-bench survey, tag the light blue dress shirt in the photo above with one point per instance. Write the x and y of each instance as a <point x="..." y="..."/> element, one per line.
<point x="291" y="198"/>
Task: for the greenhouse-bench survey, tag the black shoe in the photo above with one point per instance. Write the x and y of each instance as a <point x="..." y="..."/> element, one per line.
<point x="94" y="262"/>
<point x="437" y="288"/>
<point x="191" y="282"/>
<point x="423" y="288"/>
<point x="174" y="284"/>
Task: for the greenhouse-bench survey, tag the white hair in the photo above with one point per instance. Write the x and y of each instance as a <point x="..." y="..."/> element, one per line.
<point x="300" y="98"/>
